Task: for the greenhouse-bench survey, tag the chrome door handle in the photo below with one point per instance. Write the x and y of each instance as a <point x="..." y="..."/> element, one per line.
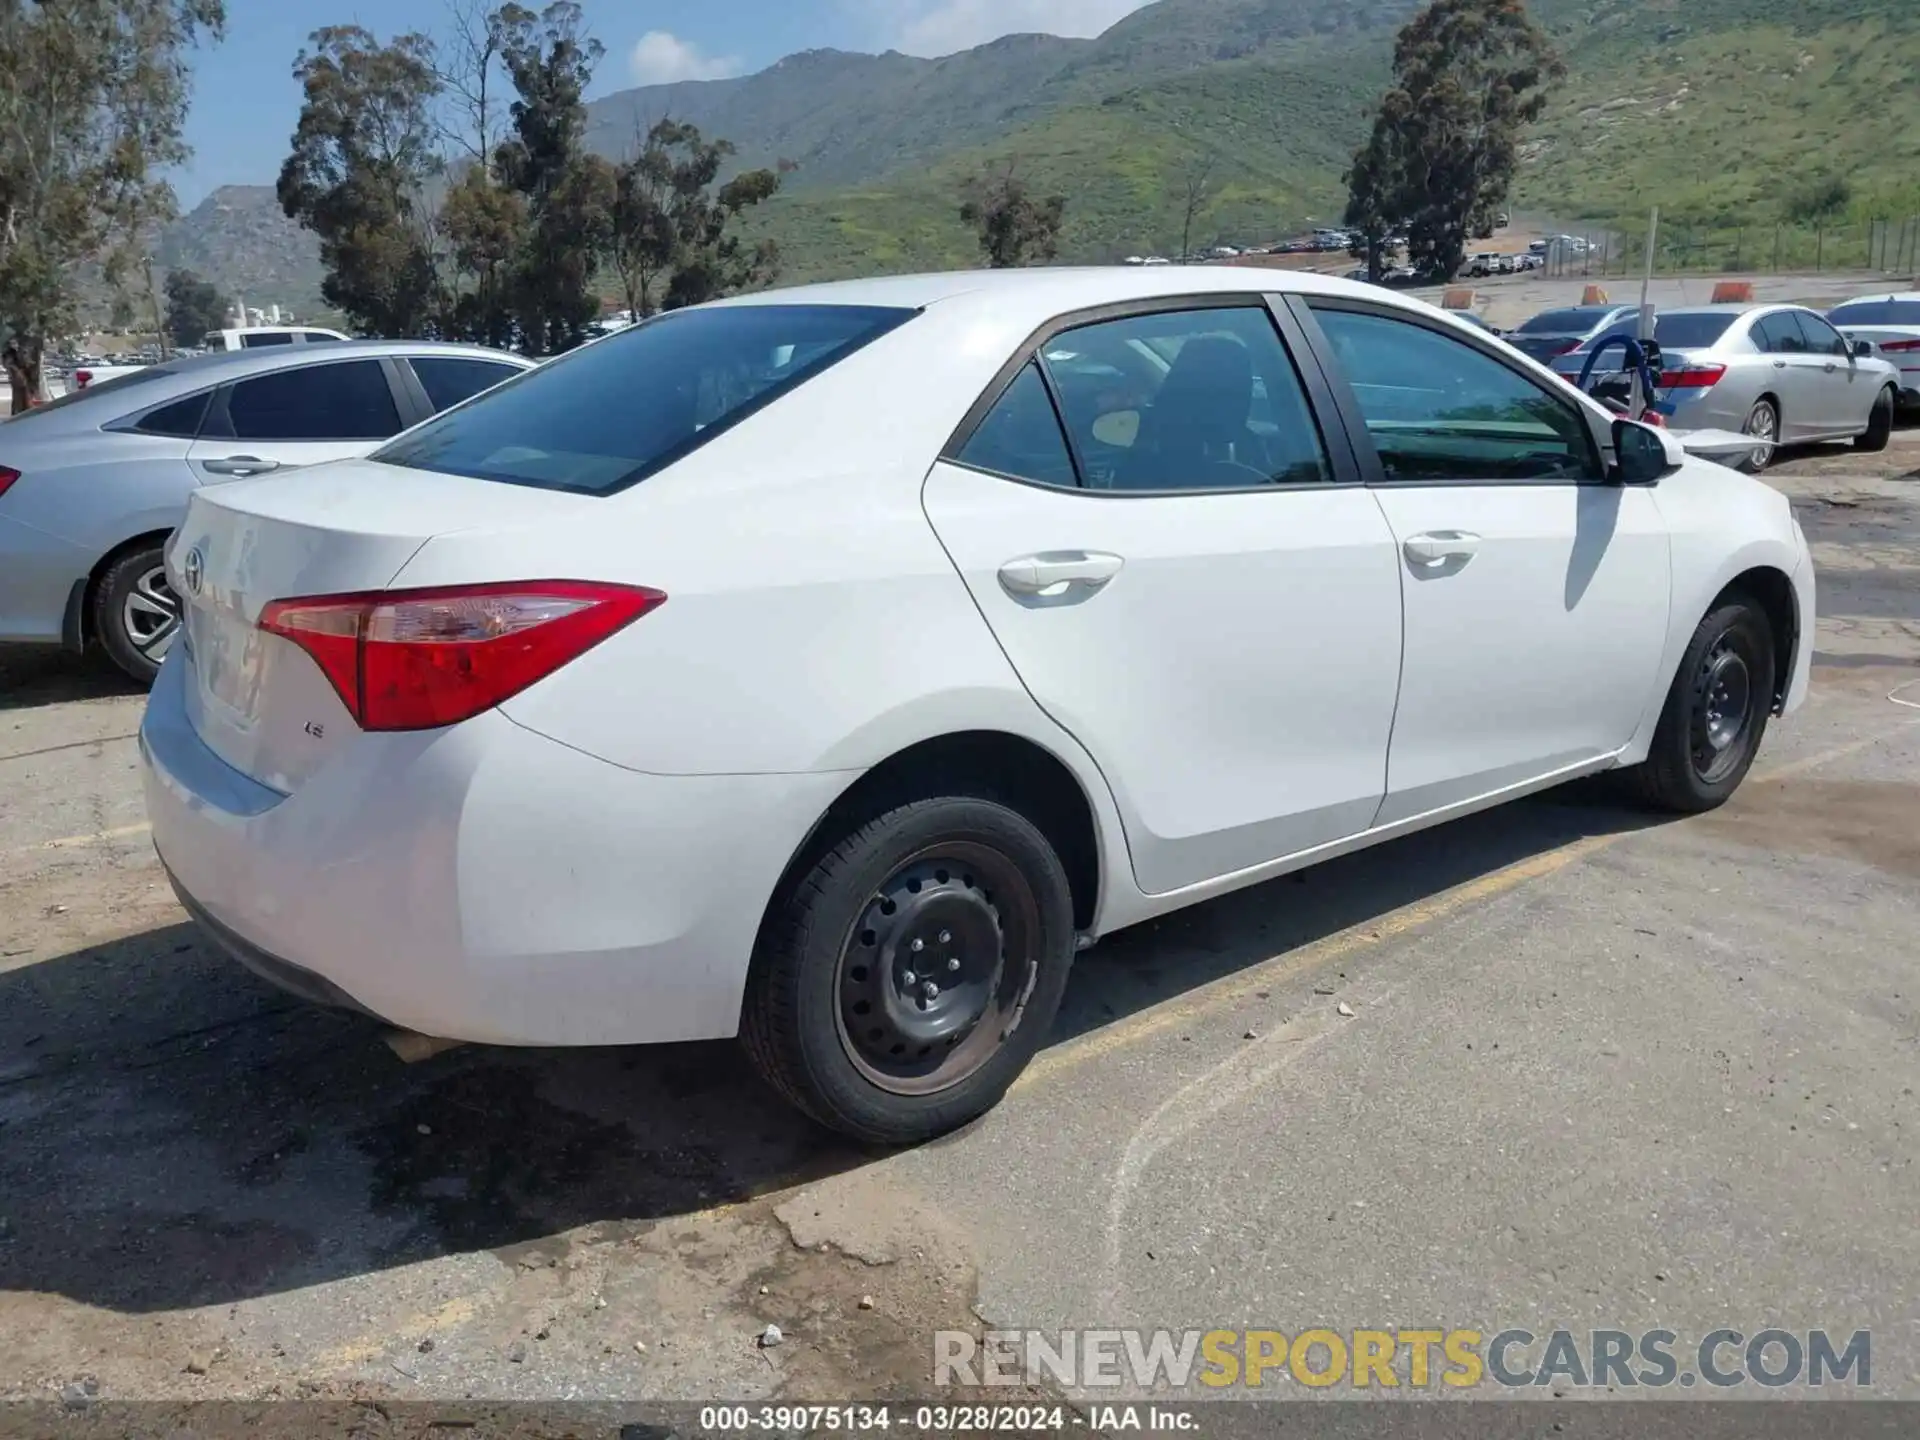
<point x="1439" y="546"/>
<point x="239" y="465"/>
<point x="1059" y="571"/>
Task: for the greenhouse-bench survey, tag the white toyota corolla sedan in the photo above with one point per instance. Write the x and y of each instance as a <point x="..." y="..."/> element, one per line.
<point x="826" y="666"/>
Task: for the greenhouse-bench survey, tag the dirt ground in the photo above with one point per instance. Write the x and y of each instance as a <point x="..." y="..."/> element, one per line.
<point x="208" y="1190"/>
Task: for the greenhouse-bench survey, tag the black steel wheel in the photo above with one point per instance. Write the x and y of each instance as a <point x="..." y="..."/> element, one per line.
<point x="1716" y="712"/>
<point x="908" y="975"/>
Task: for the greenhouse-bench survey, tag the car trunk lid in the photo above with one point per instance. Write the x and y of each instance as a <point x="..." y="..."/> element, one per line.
<point x="256" y="699"/>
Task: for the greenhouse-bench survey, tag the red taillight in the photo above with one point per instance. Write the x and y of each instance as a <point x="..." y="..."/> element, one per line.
<point x="82" y="379"/>
<point x="421" y="659"/>
<point x="7" y="476"/>
<point x="1900" y="347"/>
<point x="1561" y="348"/>
<point x="1693" y="377"/>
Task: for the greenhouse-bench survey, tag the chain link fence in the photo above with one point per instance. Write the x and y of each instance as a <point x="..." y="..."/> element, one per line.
<point x="1885" y="246"/>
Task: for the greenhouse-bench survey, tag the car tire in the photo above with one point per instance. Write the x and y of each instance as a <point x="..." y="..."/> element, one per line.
<point x="136" y="616"/>
<point x="1715" y="715"/>
<point x="841" y="1022"/>
<point x="1879" y="432"/>
<point x="1763" y="419"/>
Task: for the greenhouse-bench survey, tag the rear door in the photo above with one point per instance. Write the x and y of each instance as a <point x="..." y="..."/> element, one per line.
<point x="1188" y="578"/>
<point x="296" y="416"/>
<point x="1536" y="594"/>
<point x="1798" y="376"/>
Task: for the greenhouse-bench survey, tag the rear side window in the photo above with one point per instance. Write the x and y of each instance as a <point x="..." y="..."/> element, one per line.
<point x="254" y="342"/>
<point x="181" y="419"/>
<point x="1021" y="436"/>
<point x="1780" y="334"/>
<point x="349" y="401"/>
<point x="1877" y="312"/>
<point x="616" y="411"/>
<point x="448" y="381"/>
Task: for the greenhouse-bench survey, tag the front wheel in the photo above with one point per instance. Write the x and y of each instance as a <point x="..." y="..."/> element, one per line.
<point x="136" y="614"/>
<point x="905" y="979"/>
<point x="1879" y="432"/>
<point x="1716" y="713"/>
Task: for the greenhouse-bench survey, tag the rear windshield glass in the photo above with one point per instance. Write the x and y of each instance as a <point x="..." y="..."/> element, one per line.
<point x="1565" y="322"/>
<point x="618" y="410"/>
<point x="1877" y="312"/>
<point x="75" y="396"/>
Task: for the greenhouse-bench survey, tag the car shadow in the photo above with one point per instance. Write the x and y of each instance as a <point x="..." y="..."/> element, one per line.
<point x="174" y="1133"/>
<point x="35" y="675"/>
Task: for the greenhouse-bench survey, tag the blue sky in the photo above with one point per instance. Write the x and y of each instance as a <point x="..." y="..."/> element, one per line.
<point x="245" y="100"/>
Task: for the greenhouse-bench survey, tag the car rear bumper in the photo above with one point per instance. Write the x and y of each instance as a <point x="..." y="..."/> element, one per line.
<point x="480" y="883"/>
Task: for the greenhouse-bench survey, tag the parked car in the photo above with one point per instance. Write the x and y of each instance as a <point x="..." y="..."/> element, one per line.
<point x="1483" y="264"/>
<point x="255" y="337"/>
<point x="1779" y="373"/>
<point x="662" y="694"/>
<point x="90" y="484"/>
<point x="88" y="373"/>
<point x="1555" y="332"/>
<point x="1892" y="324"/>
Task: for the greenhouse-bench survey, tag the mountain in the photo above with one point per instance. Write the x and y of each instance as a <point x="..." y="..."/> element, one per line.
<point x="239" y="238"/>
<point x="1717" y="110"/>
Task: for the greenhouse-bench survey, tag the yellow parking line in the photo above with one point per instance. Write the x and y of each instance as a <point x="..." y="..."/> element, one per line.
<point x="1295" y="964"/>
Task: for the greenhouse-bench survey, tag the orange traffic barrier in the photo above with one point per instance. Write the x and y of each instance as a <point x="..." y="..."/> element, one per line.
<point x="1733" y="292"/>
<point x="1595" y="295"/>
<point x="1458" y="298"/>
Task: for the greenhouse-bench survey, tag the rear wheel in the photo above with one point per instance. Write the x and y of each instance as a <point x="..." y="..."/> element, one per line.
<point x="1716" y="713"/>
<point x="1763" y="423"/>
<point x="1879" y="432"/>
<point x="135" y="612"/>
<point x="908" y="976"/>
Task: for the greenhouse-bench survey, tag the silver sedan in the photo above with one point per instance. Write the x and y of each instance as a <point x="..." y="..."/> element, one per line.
<point x="1779" y="373"/>
<point x="91" y="484"/>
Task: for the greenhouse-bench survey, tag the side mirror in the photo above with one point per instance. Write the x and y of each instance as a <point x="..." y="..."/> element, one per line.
<point x="1643" y="454"/>
<point x="1863" y="349"/>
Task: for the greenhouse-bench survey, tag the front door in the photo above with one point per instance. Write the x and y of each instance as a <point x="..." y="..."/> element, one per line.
<point x="302" y="415"/>
<point x="1536" y="594"/>
<point x="1843" y="395"/>
<point x="1187" y="582"/>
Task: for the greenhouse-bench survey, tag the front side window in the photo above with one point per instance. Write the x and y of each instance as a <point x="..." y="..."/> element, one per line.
<point x="1185" y="400"/>
<point x="349" y="401"/>
<point x="448" y="380"/>
<point x="1822" y="338"/>
<point x="611" y="413"/>
<point x="1438" y="409"/>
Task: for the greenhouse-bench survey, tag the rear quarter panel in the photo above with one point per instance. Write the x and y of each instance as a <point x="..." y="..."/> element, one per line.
<point x="69" y="510"/>
<point x="814" y="622"/>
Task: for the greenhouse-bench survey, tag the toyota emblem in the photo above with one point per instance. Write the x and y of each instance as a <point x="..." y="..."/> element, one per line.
<point x="193" y="570"/>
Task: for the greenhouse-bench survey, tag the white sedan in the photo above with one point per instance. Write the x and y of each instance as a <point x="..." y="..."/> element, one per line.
<point x="829" y="665"/>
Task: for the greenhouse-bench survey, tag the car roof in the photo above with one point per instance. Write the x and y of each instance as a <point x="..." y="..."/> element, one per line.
<point x="1035" y="296"/>
<point x="229" y="364"/>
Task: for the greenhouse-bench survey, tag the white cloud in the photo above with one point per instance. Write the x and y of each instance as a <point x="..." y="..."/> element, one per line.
<point x="940" y="27"/>
<point x="660" y="58"/>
